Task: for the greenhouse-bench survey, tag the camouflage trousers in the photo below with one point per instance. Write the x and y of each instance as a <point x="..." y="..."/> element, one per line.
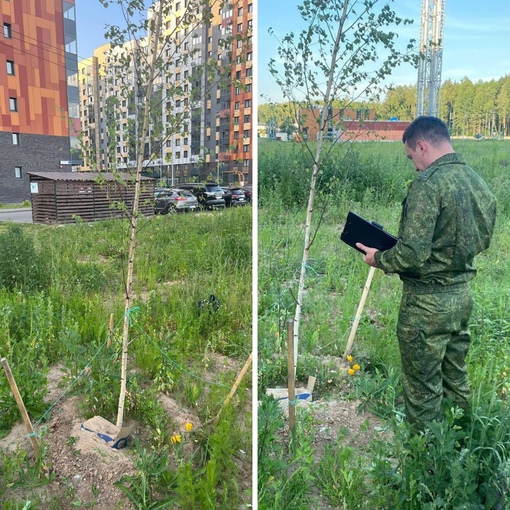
<point x="434" y="339"/>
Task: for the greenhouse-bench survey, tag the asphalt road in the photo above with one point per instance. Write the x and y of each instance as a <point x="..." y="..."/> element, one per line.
<point x="22" y="215"/>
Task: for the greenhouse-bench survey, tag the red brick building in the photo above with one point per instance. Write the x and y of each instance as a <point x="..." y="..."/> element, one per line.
<point x="351" y="124"/>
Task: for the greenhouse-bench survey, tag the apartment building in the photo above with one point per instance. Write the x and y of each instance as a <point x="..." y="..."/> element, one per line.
<point x="37" y="58"/>
<point x="196" y="120"/>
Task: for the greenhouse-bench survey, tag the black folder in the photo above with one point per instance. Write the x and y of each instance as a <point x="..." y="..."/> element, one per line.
<point x="369" y="233"/>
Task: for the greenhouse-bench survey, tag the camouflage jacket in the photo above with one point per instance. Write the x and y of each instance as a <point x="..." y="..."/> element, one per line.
<point x="447" y="218"/>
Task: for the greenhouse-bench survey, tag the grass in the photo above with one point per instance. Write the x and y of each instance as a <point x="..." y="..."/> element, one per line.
<point x="448" y="468"/>
<point x="23" y="204"/>
<point x="58" y="287"/>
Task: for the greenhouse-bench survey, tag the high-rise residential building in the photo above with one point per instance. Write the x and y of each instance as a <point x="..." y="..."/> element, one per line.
<point x="38" y="60"/>
<point x="202" y="130"/>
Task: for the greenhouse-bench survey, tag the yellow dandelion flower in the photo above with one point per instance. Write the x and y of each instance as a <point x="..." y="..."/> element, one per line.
<point x="176" y="439"/>
<point x="349" y="358"/>
<point x="356" y="366"/>
<point x="350" y="371"/>
<point x="189" y="427"/>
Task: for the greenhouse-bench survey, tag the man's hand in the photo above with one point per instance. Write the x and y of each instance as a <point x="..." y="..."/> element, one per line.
<point x="369" y="256"/>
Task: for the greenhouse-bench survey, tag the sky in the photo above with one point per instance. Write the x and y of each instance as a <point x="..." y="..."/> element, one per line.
<point x="476" y="40"/>
<point x="91" y="20"/>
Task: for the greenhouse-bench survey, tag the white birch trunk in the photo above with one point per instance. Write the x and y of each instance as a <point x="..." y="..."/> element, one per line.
<point x="134" y="217"/>
<point x="313" y="182"/>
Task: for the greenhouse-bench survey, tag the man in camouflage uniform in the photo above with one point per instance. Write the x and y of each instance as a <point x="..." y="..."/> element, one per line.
<point x="447" y="218"/>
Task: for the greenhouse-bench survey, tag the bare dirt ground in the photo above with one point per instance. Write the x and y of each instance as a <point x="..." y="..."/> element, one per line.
<point x="84" y="466"/>
<point x="336" y="417"/>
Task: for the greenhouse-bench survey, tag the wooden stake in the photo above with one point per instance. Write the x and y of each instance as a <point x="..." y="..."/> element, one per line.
<point x="109" y="342"/>
<point x="240" y="377"/>
<point x="21" y="406"/>
<point x="361" y="305"/>
<point x="291" y="374"/>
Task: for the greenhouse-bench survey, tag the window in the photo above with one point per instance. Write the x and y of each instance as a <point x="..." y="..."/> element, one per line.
<point x="185" y="154"/>
<point x="7" y="31"/>
<point x="236" y="135"/>
<point x="250" y="7"/>
<point x="249" y="71"/>
<point x="247" y="118"/>
<point x="236" y="105"/>
<point x="15" y="139"/>
<point x="249" y="56"/>
<point x="177" y="155"/>
<point x="10" y="67"/>
<point x="240" y="11"/>
<point x="247" y="87"/>
<point x="246" y="148"/>
<point x="18" y="174"/>
<point x="239" y="27"/>
<point x="246" y="133"/>
<point x="13" y="104"/>
<point x="247" y="103"/>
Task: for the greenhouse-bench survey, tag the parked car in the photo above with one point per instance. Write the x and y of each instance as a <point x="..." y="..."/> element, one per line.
<point x="174" y="200"/>
<point x="234" y="197"/>
<point x="248" y="192"/>
<point x="210" y="195"/>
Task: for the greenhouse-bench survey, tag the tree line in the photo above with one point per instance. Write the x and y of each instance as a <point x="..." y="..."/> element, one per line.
<point x="480" y="109"/>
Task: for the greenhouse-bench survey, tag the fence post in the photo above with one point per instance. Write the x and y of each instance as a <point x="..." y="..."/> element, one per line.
<point x="21" y="406"/>
<point x="291" y="374"/>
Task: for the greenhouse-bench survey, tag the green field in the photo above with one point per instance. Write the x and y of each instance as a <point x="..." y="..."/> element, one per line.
<point x="58" y="287"/>
<point x="371" y="179"/>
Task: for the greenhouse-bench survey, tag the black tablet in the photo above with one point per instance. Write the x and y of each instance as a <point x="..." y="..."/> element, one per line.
<point x="369" y="233"/>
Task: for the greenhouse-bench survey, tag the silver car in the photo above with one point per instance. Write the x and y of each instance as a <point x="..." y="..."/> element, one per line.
<point x="174" y="200"/>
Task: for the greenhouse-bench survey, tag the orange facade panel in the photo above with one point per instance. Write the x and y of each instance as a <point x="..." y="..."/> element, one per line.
<point x="34" y="94"/>
<point x="242" y="19"/>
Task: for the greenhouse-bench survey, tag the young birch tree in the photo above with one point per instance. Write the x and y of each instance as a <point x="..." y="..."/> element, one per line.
<point x="144" y="60"/>
<point x="346" y="51"/>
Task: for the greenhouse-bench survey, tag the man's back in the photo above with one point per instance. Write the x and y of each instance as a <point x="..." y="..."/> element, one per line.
<point x="448" y="217"/>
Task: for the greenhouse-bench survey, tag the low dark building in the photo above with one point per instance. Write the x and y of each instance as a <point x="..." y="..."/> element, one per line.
<point x="63" y="197"/>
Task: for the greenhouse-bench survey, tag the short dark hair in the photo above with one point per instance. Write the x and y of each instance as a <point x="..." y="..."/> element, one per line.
<point x="428" y="128"/>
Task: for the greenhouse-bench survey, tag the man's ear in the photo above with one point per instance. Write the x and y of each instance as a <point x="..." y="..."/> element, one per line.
<point x="421" y="145"/>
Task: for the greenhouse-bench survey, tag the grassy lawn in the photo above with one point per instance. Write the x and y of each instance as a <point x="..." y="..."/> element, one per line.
<point x="430" y="471"/>
<point x="183" y="359"/>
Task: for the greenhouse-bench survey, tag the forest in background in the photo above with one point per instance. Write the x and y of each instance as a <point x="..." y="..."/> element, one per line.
<point x="479" y="109"/>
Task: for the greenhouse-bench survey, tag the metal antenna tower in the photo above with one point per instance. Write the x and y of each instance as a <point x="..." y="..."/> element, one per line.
<point x="431" y="56"/>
